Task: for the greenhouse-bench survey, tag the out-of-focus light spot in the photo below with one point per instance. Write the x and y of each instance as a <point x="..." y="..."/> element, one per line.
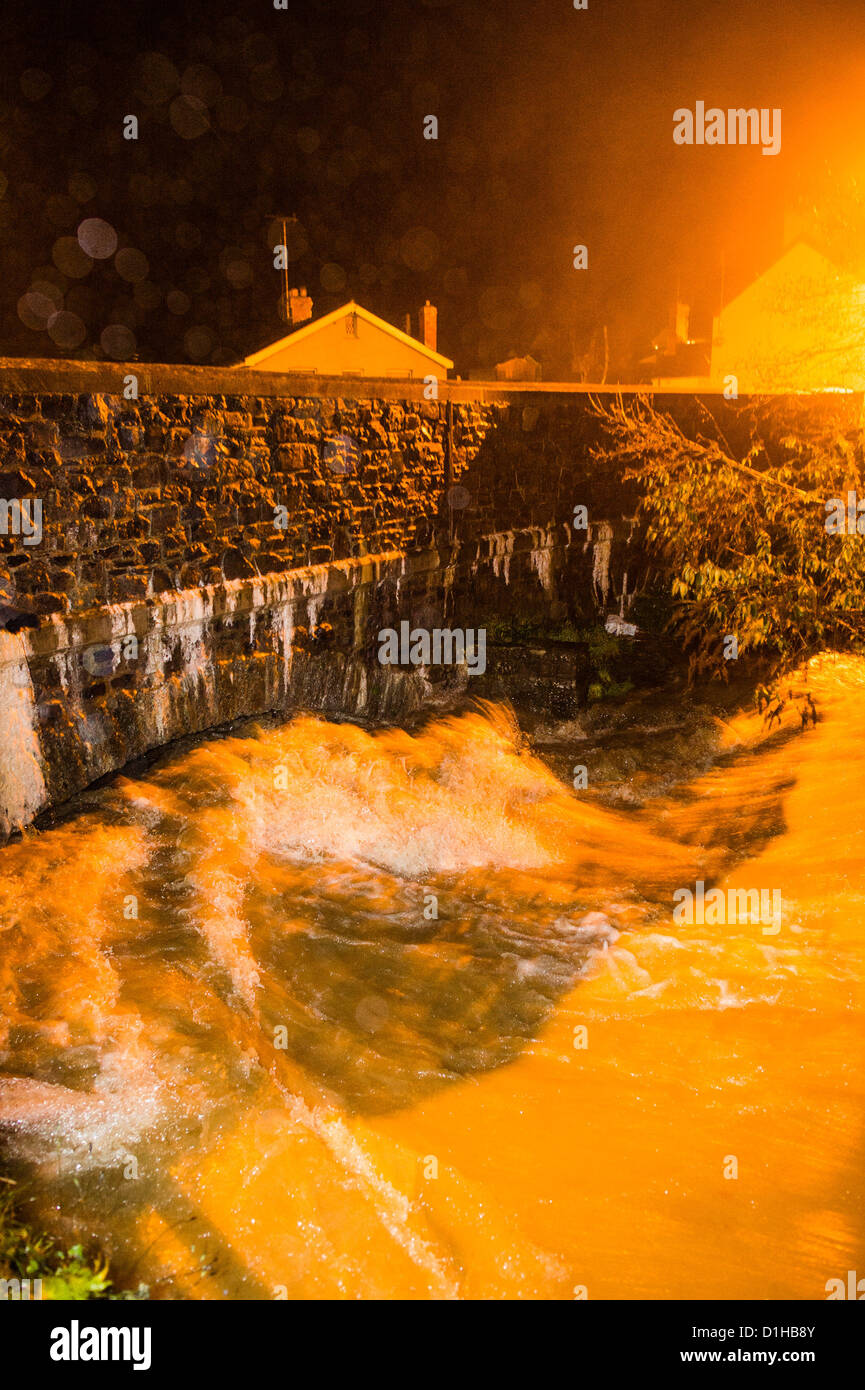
<point x="118" y="341"/>
<point x="69" y="257"/>
<point x="199" y="341"/>
<point x="202" y="82"/>
<point x="496" y="309"/>
<point x="67" y="330"/>
<point x="34" y="310"/>
<point x="308" y="140"/>
<point x="157" y="79"/>
<point x="333" y="277"/>
<point x="386" y="276"/>
<point x="131" y="264"/>
<point x="235" y="267"/>
<point x="97" y="238"/>
<point x="82" y="187"/>
<point x="189" y="117"/>
<point x="419" y="248"/>
<point x="49" y="290"/>
<point x="530" y="294"/>
<point x="36" y="84"/>
<point x="177" y="302"/>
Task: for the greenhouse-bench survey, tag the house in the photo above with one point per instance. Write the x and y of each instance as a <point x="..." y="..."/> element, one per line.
<point x="799" y="327"/>
<point x="350" y="341"/>
<point x="679" y="356"/>
<point x="518" y="369"/>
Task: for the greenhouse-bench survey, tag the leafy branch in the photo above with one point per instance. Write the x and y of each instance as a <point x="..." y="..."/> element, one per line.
<point x="742" y="542"/>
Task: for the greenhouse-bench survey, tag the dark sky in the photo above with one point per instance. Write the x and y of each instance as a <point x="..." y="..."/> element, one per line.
<point x="555" y="128"/>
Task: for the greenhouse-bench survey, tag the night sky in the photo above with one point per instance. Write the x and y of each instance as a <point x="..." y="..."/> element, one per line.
<point x="555" y="128"/>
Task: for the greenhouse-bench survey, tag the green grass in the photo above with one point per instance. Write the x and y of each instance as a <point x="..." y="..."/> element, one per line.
<point x="66" y="1274"/>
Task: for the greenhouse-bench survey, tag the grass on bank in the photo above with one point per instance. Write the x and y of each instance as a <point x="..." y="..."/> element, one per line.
<point x="65" y="1274"/>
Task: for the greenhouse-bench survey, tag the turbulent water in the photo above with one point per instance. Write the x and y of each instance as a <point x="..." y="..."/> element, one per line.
<point x="312" y="1011"/>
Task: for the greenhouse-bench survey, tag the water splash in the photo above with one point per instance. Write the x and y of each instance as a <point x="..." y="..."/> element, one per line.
<point x="324" y="986"/>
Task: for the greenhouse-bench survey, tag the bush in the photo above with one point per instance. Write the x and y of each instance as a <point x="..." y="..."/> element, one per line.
<point x="742" y="544"/>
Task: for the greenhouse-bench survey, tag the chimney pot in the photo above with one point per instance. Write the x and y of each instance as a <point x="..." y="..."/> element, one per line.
<point x="298" y="308"/>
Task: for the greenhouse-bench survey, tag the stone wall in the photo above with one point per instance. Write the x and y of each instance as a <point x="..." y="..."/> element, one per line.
<point x="82" y="696"/>
<point x="227" y="542"/>
<point x="146" y="496"/>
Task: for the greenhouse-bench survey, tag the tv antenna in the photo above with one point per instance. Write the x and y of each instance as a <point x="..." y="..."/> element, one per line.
<point x="292" y="219"/>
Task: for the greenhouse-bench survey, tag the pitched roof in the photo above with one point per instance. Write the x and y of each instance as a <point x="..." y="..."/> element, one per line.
<point x="308" y="329"/>
<point x="806" y="260"/>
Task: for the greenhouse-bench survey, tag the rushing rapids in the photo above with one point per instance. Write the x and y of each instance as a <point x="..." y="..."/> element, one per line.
<point x="313" y="1011"/>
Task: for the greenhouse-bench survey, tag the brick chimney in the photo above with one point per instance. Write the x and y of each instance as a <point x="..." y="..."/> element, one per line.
<point x="427" y="317"/>
<point x="298" y="308"/>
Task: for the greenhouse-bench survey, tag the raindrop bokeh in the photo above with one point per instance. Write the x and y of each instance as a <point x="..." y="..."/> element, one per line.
<point x="97" y="238"/>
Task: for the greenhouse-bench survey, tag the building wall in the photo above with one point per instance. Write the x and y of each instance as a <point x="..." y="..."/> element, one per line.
<point x="800" y="327"/>
<point x="332" y="350"/>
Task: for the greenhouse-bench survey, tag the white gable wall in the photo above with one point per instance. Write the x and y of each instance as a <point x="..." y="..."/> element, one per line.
<point x="331" y="349"/>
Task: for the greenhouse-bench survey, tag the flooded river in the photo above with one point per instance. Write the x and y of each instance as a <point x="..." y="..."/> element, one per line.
<point x="312" y="1011"/>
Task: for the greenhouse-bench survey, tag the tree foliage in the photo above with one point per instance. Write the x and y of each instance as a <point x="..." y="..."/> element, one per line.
<point x="742" y="543"/>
